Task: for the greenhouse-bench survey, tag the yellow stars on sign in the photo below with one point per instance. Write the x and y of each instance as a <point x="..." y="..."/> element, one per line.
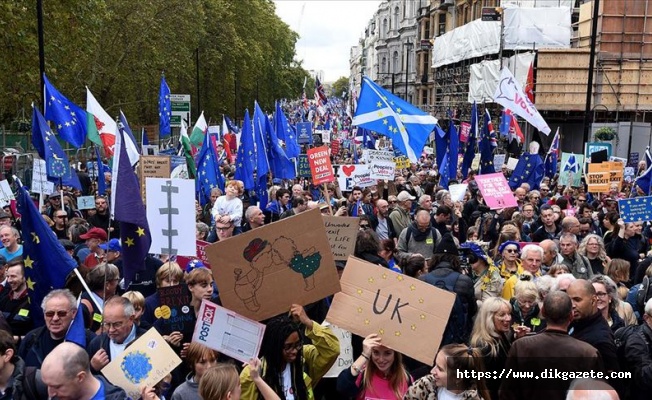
<point x="360" y="292"/>
<point x="398" y="110"/>
<point x="381" y="114"/>
<point x="399" y="278"/>
<point x="413" y="288"/>
<point x="384" y="276"/>
<point x="422" y="316"/>
<point x="371" y="280"/>
<point x="381" y="331"/>
<point x="30" y="283"/>
<point x="140" y="231"/>
<point x="420" y="301"/>
<point x="385" y="122"/>
<point x="397" y="333"/>
<point x="366" y="321"/>
<point x="413" y="327"/>
<point x="35" y="238"/>
<point x="359" y="310"/>
<point x="129" y="242"/>
<point x="29" y="263"/>
<point x="379" y="104"/>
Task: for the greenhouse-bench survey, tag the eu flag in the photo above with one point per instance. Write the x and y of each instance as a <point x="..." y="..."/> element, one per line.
<point x="453" y="148"/>
<point x="76" y="331"/>
<point x="552" y="157"/>
<point x="279" y="163"/>
<point x="440" y="145"/>
<point x="244" y="166"/>
<point x="209" y="175"/>
<point x="164" y="108"/>
<point x="262" y="163"/>
<point x="529" y="169"/>
<point x="69" y="118"/>
<point x="48" y="148"/>
<point x="129" y="211"/>
<point x="444" y="171"/>
<point x="469" y="153"/>
<point x="391" y="116"/>
<point x="285" y="133"/>
<point x="488" y="143"/>
<point x="47" y="264"/>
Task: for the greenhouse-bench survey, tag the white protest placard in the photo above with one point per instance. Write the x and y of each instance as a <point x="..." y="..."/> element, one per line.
<point x="86" y="202"/>
<point x="499" y="160"/>
<point x="40" y="183"/>
<point x="228" y="332"/>
<point x="144" y="362"/>
<point x="352" y="175"/>
<point x="345" y="359"/>
<point x="381" y="164"/>
<point x="6" y="195"/>
<point x="458" y="191"/>
<point x="512" y="163"/>
<point x="171" y="216"/>
<point x="342" y="233"/>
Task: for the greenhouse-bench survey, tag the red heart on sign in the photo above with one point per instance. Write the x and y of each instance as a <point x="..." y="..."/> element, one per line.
<point x="348" y="169"/>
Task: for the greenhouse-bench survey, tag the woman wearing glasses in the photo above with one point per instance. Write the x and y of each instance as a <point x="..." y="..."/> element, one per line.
<point x="291" y="368"/>
<point x="511" y="264"/>
<point x="592" y="247"/>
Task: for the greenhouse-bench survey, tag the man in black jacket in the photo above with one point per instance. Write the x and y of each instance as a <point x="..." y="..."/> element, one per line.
<point x="120" y="330"/>
<point x="638" y="353"/>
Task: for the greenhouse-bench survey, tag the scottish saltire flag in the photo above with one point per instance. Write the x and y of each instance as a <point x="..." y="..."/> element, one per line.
<point x="570" y="173"/>
<point x="648" y="157"/>
<point x="469" y="153"/>
<point x="285" y="133"/>
<point x="552" y="157"/>
<point x="48" y="148"/>
<point x="637" y="209"/>
<point x="644" y="181"/>
<point x="128" y="209"/>
<point x="488" y="143"/>
<point x="391" y="116"/>
<point x="571" y="165"/>
<point x="209" y="175"/>
<point x="529" y="169"/>
<point x="164" y="109"/>
<point x="244" y="160"/>
<point x="101" y="181"/>
<point x="76" y="331"/>
<point x="69" y="118"/>
<point x="47" y="264"/>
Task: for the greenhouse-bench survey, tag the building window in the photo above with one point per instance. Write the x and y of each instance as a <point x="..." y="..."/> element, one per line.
<point x="383" y="65"/>
<point x="396" y="14"/>
<point x="441" y="24"/>
<point x="395" y="62"/>
<point x="426" y="30"/>
<point x="385" y="28"/>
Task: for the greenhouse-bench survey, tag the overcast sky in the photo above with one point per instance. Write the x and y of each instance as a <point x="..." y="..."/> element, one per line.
<point x="327" y="30"/>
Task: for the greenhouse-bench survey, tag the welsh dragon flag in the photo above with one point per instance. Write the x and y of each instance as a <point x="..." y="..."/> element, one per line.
<point x="198" y="132"/>
<point x="101" y="127"/>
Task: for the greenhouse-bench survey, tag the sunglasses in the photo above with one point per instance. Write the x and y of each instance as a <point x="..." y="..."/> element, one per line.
<point x="511" y="250"/>
<point x="60" y="313"/>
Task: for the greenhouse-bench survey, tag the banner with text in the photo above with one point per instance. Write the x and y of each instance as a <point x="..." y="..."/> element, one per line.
<point x="320" y="165"/>
<point x="495" y="191"/>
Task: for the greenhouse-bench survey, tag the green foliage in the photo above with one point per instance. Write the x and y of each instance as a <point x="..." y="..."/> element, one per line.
<point x="118" y="48"/>
<point x="605" y="133"/>
<point x="340" y="85"/>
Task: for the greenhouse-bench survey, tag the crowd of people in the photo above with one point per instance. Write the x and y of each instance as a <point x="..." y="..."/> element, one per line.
<point x="558" y="282"/>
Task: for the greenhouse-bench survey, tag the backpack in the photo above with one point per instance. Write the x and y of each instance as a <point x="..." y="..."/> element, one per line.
<point x="643" y="295"/>
<point x="457" y="326"/>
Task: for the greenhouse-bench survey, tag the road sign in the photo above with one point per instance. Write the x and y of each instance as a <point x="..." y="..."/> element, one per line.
<point x="180" y="105"/>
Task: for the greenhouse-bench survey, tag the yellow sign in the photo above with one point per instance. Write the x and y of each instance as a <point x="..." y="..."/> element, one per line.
<point x="402" y="162"/>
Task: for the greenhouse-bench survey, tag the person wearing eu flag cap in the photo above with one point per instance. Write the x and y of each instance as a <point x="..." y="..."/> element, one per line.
<point x="487" y="281"/>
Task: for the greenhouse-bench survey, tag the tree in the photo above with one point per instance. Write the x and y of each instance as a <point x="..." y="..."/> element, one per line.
<point x="340" y="86"/>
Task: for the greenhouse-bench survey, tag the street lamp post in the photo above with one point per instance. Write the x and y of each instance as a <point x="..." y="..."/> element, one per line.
<point x="408" y="45"/>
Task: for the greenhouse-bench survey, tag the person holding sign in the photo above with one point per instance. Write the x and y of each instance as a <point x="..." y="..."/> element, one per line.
<point x="378" y="373"/>
<point x="285" y="357"/>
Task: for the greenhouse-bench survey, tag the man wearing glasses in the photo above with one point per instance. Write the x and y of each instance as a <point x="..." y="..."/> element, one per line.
<point x="224" y="231"/>
<point x="60" y="221"/>
<point x="119" y="330"/>
<point x="59" y="309"/>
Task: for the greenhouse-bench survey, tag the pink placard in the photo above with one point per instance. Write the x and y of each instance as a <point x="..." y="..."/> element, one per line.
<point x="496" y="191"/>
<point x="465" y="129"/>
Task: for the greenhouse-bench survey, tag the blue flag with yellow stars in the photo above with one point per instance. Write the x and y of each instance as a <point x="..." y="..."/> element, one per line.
<point x="638" y="209"/>
<point x="391" y="116"/>
<point x="244" y="164"/>
<point x="48" y="148"/>
<point x="164" y="109"/>
<point x="70" y="119"/>
<point x="469" y="152"/>
<point x="209" y="175"/>
<point x="530" y="169"/>
<point x="285" y="133"/>
<point x="453" y="147"/>
<point x="279" y="163"/>
<point x="47" y="264"/>
<point x="488" y="143"/>
<point x="129" y="211"/>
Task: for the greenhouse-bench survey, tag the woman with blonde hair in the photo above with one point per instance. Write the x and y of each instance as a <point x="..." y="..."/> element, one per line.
<point x="442" y="382"/>
<point x="492" y="334"/>
<point x="592" y="247"/>
<point x="378" y="373"/>
<point x="525" y="306"/>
